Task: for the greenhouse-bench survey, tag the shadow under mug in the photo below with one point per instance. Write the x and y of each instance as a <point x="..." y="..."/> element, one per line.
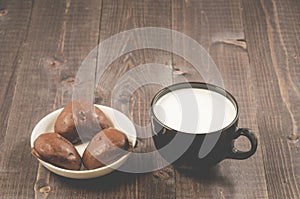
<point x="199" y="150"/>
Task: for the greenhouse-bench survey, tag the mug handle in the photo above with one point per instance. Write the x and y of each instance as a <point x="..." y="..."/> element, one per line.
<point x="240" y="155"/>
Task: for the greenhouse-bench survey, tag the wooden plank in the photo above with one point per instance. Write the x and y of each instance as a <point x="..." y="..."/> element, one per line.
<point x="119" y="16"/>
<point x="59" y="37"/>
<point x="14" y="20"/>
<point x="273" y="38"/>
<point x="218" y="27"/>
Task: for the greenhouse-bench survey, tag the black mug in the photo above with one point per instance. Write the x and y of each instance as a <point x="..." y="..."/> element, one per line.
<point x="198" y="149"/>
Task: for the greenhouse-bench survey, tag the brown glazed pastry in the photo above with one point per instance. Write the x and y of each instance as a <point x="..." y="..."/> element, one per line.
<point x="106" y="147"/>
<point x="55" y="149"/>
<point x="87" y="120"/>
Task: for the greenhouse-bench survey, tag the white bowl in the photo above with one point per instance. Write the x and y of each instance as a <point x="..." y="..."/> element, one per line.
<point x="120" y="122"/>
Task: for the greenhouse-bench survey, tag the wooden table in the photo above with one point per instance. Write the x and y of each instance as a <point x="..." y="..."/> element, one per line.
<point x="255" y="45"/>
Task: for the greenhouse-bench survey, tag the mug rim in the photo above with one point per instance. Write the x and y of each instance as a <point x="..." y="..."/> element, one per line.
<point x="199" y="85"/>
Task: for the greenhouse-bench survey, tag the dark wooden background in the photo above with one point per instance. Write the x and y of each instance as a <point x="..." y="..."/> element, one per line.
<point x="254" y="43"/>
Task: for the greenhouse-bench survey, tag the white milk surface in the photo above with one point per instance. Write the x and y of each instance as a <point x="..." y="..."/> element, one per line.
<point x="194" y="110"/>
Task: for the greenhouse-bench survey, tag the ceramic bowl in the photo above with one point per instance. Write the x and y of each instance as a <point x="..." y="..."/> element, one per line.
<point x="120" y="121"/>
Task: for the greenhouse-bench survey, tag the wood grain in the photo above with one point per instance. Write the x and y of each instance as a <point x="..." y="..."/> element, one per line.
<point x="13" y="30"/>
<point x="13" y="34"/>
<point x="274" y="26"/>
<point x="118" y="16"/>
<point x="255" y="45"/>
<point x="218" y="27"/>
<point x="60" y="34"/>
